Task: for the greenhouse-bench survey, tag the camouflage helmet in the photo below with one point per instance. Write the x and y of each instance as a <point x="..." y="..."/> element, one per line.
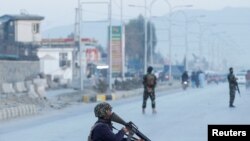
<point x="101" y="109"/>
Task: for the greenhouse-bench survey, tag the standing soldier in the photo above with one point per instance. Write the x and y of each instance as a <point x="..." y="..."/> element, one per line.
<point x="149" y="83"/>
<point x="232" y="80"/>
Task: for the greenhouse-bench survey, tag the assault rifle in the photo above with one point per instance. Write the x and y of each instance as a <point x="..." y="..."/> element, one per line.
<point x="130" y="125"/>
<point x="237" y="87"/>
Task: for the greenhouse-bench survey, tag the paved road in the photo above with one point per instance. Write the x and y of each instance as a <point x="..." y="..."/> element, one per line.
<point x="182" y="115"/>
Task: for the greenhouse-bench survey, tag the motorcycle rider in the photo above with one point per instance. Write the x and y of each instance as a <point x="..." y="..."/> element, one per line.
<point x="184" y="77"/>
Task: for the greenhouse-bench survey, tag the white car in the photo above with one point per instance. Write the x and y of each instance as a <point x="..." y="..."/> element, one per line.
<point x="241" y="77"/>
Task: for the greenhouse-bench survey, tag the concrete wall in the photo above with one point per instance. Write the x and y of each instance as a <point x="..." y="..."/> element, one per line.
<point x="13" y="71"/>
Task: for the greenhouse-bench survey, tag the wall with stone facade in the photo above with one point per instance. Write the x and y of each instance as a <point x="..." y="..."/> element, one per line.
<point x="14" y="71"/>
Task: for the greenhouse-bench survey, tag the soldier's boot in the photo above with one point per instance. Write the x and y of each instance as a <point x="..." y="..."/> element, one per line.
<point x="154" y="111"/>
<point x="143" y="110"/>
<point x="231" y="106"/>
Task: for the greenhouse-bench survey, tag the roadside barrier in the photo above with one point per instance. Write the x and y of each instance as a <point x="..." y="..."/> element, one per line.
<point x="17" y="111"/>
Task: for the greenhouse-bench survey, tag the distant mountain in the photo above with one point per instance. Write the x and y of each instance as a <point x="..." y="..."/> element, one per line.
<point x="225" y="38"/>
<point x="61" y="31"/>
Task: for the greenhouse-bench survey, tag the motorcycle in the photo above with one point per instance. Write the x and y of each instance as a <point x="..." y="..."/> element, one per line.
<point x="184" y="85"/>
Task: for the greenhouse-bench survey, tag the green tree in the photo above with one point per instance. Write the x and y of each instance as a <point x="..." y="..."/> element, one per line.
<point x="134" y="40"/>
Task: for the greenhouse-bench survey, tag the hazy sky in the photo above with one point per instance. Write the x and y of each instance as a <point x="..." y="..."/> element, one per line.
<point x="62" y="12"/>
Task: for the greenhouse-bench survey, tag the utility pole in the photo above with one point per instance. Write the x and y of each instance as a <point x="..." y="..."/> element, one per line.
<point x="81" y="53"/>
<point x="110" y="46"/>
<point x="145" y="39"/>
<point x="123" y="41"/>
<point x="76" y="71"/>
<point x="186" y="43"/>
<point x="151" y="33"/>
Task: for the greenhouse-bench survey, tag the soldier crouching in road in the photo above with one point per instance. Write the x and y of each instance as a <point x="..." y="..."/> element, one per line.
<point x="103" y="129"/>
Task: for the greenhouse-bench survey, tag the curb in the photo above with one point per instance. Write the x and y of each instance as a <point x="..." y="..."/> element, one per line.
<point x="18" y="111"/>
<point x="98" y="97"/>
<point x="119" y="95"/>
<point x="113" y="96"/>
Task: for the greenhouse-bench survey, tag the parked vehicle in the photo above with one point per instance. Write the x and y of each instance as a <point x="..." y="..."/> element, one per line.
<point x="248" y="79"/>
<point x="241" y="77"/>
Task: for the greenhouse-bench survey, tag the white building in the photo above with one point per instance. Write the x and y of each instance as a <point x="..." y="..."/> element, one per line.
<point x="21" y="28"/>
<point x="57" y="62"/>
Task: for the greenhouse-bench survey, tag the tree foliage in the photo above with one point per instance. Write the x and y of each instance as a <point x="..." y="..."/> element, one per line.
<point x="135" y="41"/>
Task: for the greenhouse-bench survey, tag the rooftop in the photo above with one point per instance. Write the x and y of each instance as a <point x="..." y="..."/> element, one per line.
<point x="7" y="17"/>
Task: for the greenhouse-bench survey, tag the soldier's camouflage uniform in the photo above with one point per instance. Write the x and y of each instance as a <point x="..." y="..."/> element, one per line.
<point x="232" y="88"/>
<point x="147" y="93"/>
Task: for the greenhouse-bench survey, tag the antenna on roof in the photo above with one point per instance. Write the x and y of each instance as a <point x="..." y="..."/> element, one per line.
<point x="24" y="12"/>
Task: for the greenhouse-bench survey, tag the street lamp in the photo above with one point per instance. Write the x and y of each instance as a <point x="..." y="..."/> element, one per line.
<point x="145" y="38"/>
<point x="151" y="41"/>
<point x="215" y="37"/>
<point x="81" y="48"/>
<point x="186" y="36"/>
<point x="123" y="41"/>
<point x="200" y="33"/>
<point x="110" y="45"/>
<point x="170" y="38"/>
<point x="145" y="30"/>
<point x="145" y="33"/>
<point x="151" y="32"/>
<point x="80" y="44"/>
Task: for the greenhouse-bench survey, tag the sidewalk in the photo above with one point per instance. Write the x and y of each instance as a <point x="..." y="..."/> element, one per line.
<point x="61" y="98"/>
<point x="17" y="105"/>
<point x="124" y="94"/>
<point x="69" y="95"/>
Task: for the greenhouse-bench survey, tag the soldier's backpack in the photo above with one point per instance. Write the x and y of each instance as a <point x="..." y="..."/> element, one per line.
<point x="150" y="80"/>
<point x="93" y="127"/>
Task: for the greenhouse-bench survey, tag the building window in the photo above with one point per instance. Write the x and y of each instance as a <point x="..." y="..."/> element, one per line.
<point x="63" y="60"/>
<point x="36" y="28"/>
<point x="11" y="23"/>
